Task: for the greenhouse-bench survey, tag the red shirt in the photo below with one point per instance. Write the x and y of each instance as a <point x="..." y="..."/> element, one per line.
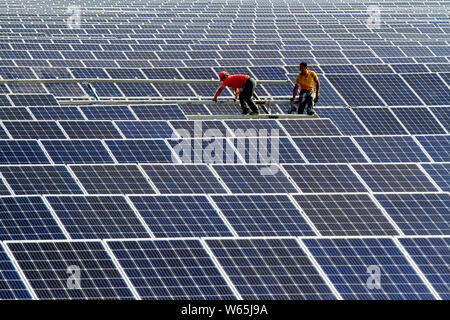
<point x="235" y="81"/>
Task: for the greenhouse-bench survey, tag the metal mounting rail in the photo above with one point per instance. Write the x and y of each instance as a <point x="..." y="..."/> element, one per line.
<point x="260" y="116"/>
<point x="94" y="80"/>
<point x="133" y="102"/>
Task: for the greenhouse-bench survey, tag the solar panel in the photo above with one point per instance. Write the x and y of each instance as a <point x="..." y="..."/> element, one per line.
<point x="354" y="89"/>
<point x="77" y="151"/>
<point x="138" y="89"/>
<point x="89" y="73"/>
<point x="254" y="179"/>
<point x="345" y="214"/>
<point x="97" y="217"/>
<point x="432" y="257"/>
<point x="100" y="278"/>
<point x="313" y="178"/>
<point x="443" y="115"/>
<point x="145" y="129"/>
<point x="112" y="179"/>
<point x="125" y="73"/>
<point x="136" y="151"/>
<point x="351" y="263"/>
<point x="438" y="147"/>
<point x="90" y="129"/>
<point x="379" y="121"/>
<point x="171" y="269"/>
<point x="154" y="112"/>
<point x="418" y="120"/>
<point x="174" y="90"/>
<point x="198" y="73"/>
<point x="269" y="73"/>
<point x="242" y="127"/>
<point x="440" y="173"/>
<point x="183" y="178"/>
<point x="310" y="127"/>
<point x="14" y="113"/>
<point x="391" y="149"/>
<point x="180" y="216"/>
<point x="270" y="269"/>
<point x="262" y="216"/>
<point x="56" y="113"/>
<point x="162" y="73"/>
<point x="107" y="113"/>
<point x="418" y="214"/>
<point x="34" y="130"/>
<point x="33" y="100"/>
<point x="12" y="286"/>
<point x="198" y="128"/>
<point x="394" y="177"/>
<point x="344" y="119"/>
<point x="329" y="150"/>
<point x="27" y="218"/>
<point x="429" y="87"/>
<point x="21" y="152"/>
<point x="65" y="90"/>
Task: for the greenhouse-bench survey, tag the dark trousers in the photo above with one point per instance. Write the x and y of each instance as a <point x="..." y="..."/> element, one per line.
<point x="305" y="99"/>
<point x="246" y="96"/>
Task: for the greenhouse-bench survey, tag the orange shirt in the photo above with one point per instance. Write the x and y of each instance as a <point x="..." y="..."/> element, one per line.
<point x="306" y="82"/>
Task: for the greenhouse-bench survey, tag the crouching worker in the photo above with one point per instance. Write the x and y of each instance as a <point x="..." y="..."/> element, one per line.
<point x="305" y="79"/>
<point x="237" y="82"/>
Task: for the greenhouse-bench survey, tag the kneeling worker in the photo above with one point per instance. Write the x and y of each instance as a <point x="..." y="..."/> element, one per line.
<point x="305" y="79"/>
<point x="236" y="82"/>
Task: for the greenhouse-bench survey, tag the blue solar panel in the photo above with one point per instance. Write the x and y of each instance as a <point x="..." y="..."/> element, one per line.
<point x="11" y="285"/>
<point x="379" y="121"/>
<point x="418" y="120"/>
<point x="21" y="152"/>
<point x="198" y="128"/>
<point x="429" y="87"/>
<point x="310" y="127"/>
<point x="4" y="101"/>
<point x="90" y="129"/>
<point x="34" y="130"/>
<point x="270" y="269"/>
<point x="14" y="113"/>
<point x="438" y="147"/>
<point x="135" y="151"/>
<point x="440" y="173"/>
<point x="391" y="149"/>
<point x="329" y="150"/>
<point x="56" y="113"/>
<point x="354" y="89"/>
<point x="138" y="89"/>
<point x="97" y="217"/>
<point x="155" y="112"/>
<point x="443" y="115"/>
<point x="171" y="270"/>
<point x="344" y="119"/>
<point x="77" y="151"/>
<point x="259" y="216"/>
<point x="100" y="278"/>
<point x="348" y="263"/>
<point x="145" y="129"/>
<point x="33" y="100"/>
<point x="432" y="257"/>
<point x="180" y="216"/>
<point x="107" y="113"/>
<point x="246" y="127"/>
<point x="418" y="214"/>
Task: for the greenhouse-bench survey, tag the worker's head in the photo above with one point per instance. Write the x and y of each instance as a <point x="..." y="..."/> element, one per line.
<point x="223" y="75"/>
<point x="303" y="67"/>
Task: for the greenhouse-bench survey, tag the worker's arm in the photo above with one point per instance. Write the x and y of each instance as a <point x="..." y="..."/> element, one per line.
<point x="318" y="88"/>
<point x="294" y="93"/>
<point x="236" y="94"/>
<point x="218" y="93"/>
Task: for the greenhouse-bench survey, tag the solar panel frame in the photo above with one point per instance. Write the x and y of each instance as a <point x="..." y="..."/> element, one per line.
<point x="13" y="287"/>
<point x="77" y="151"/>
<point x="436" y="146"/>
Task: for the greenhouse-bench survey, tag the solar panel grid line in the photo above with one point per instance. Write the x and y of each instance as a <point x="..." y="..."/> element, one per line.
<point x="4" y="129"/>
<point x="74" y="176"/>
<point x="361" y="150"/>
<point x="306" y="217"/>
<point x="222" y="216"/>
<point x="19" y="271"/>
<point x="110" y="153"/>
<point x="39" y="142"/>
<point x="398" y="119"/>
<point x="141" y="170"/>
<point x="222" y="183"/>
<point x="296" y="186"/>
<point x="56" y="218"/>
<point x="422" y="148"/>
<point x="416" y="268"/>
<point x="139" y="216"/>
<point x="443" y="80"/>
<point x="427" y="174"/>
<point x="6" y="184"/>
<point x="386" y="214"/>
<point x="319" y="269"/>
<point x="118" y="129"/>
<point x="437" y="119"/>
<point x="288" y="136"/>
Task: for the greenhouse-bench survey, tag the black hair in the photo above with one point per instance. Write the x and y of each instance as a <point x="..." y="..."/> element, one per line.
<point x="304" y="64"/>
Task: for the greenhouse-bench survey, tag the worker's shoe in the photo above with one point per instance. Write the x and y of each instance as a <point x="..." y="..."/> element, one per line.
<point x="245" y="111"/>
<point x="254" y="113"/>
<point x="311" y="112"/>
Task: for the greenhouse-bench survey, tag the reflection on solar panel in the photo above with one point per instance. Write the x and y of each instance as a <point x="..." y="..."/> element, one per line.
<point x="345" y="214"/>
<point x="440" y="173"/>
<point x="379" y="121"/>
<point x="354" y="90"/>
<point x="349" y="264"/>
<point x="418" y="120"/>
<point x="171" y="269"/>
<point x="180" y="216"/>
<point x="27" y="218"/>
<point x="33" y="100"/>
<point x="90" y="129"/>
<point x="391" y="149"/>
<point x="145" y="129"/>
<point x="259" y="216"/>
<point x="77" y="151"/>
<point x="288" y="273"/>
<point x="329" y="150"/>
<point x="11" y="285"/>
<point x="432" y="257"/>
<point x="97" y="217"/>
<point x="306" y="127"/>
<point x="58" y="260"/>
<point x="170" y="178"/>
<point x="21" y="152"/>
<point x="154" y="112"/>
<point x="344" y="119"/>
<point x="429" y="87"/>
<point x="438" y="147"/>
<point x="394" y="177"/>
<point x="313" y="178"/>
<point x="253" y="179"/>
<point x="40" y="180"/>
<point x="418" y="214"/>
<point x="56" y="113"/>
<point x="135" y="151"/>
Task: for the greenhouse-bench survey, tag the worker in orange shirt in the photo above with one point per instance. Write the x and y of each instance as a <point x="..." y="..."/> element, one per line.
<point x="237" y="82"/>
<point x="305" y="79"/>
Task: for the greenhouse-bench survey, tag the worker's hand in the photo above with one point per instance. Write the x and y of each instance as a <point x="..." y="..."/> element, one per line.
<point x="235" y="99"/>
<point x="292" y="99"/>
<point x="215" y="100"/>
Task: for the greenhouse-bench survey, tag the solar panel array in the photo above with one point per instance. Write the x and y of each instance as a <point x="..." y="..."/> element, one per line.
<point x="126" y="201"/>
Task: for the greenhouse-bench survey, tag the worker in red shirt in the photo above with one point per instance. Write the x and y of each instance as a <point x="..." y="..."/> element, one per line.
<point x="237" y="82"/>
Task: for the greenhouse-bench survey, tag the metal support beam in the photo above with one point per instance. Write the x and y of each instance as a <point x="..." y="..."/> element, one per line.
<point x="239" y="116"/>
<point x="134" y="102"/>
